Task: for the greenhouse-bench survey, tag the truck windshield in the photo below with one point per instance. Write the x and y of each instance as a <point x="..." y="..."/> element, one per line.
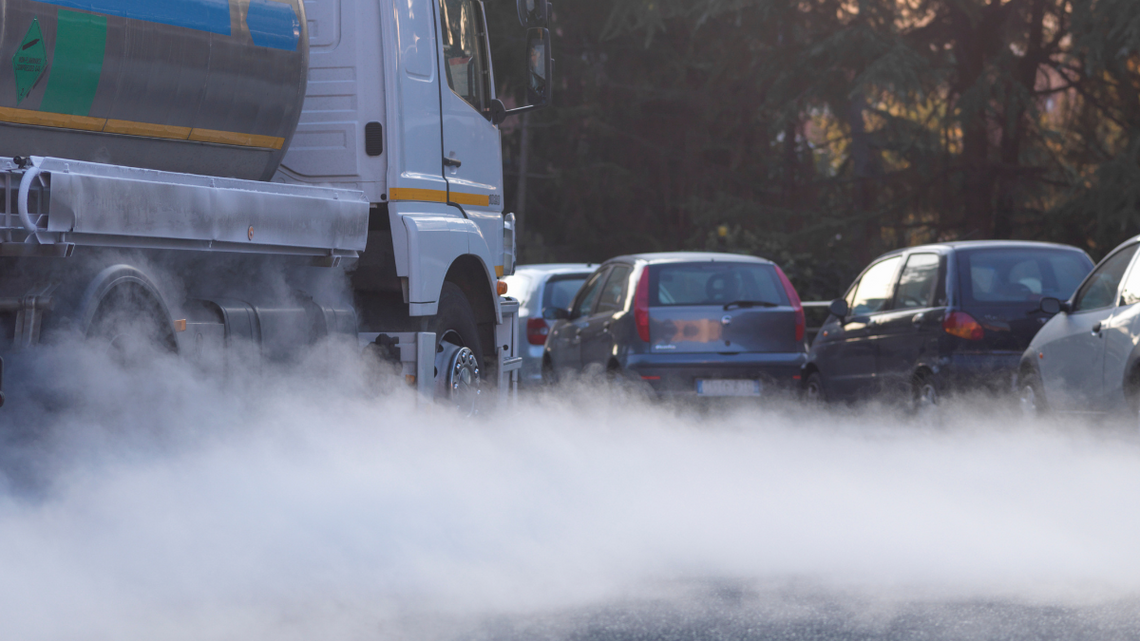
<point x="715" y="283"/>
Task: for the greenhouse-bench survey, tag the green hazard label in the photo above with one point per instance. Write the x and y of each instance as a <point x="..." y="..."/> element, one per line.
<point x="30" y="61"/>
<point x="77" y="63"/>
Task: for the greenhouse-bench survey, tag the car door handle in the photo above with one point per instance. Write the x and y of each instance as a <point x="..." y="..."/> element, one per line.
<point x="452" y="162"/>
<point x="917" y="319"/>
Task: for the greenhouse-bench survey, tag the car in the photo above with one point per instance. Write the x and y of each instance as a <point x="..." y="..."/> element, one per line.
<point x="925" y="321"/>
<point x="685" y="324"/>
<point x="1087" y="358"/>
<point x="536" y="287"/>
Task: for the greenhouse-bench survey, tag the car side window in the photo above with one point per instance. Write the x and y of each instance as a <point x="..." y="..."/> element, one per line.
<point x="585" y="303"/>
<point x="1130" y="295"/>
<point x="874" y="290"/>
<point x="464" y="62"/>
<point x="612" y="298"/>
<point x="918" y="283"/>
<point x="1100" y="288"/>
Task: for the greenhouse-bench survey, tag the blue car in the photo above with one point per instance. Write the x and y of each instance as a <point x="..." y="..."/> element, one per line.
<point x="685" y="324"/>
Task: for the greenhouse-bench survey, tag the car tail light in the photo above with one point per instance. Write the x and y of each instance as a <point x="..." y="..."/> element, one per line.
<point x="963" y="325"/>
<point x="536" y="331"/>
<point x="796" y="304"/>
<point x="641" y="305"/>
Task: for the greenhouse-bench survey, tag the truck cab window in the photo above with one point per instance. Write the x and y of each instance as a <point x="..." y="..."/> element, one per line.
<point x="464" y="57"/>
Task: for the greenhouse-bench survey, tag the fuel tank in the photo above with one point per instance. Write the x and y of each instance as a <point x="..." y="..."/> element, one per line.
<point x="210" y="87"/>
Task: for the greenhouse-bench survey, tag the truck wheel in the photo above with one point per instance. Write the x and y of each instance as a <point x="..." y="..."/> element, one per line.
<point x="130" y="327"/>
<point x="458" y="353"/>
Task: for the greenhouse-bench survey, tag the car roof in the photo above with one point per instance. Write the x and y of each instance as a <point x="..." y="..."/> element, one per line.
<point x="689" y="257"/>
<point x="557" y="268"/>
<point x="958" y="245"/>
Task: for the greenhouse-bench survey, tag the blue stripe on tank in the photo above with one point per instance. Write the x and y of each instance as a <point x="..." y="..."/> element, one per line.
<point x="203" y="15"/>
<point x="273" y="24"/>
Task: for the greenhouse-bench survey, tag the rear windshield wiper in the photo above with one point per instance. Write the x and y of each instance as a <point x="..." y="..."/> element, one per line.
<point x="749" y="303"/>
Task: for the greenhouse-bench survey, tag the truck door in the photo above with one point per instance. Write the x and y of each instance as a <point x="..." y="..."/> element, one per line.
<point x="472" y="151"/>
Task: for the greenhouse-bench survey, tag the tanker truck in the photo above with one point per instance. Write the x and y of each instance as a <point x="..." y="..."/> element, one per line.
<point x="197" y="176"/>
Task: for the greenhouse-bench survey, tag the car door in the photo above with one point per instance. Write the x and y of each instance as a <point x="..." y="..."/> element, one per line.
<point x="597" y="336"/>
<point x="1121" y="332"/>
<point x="849" y="368"/>
<point x="1072" y="364"/>
<point x="913" y="322"/>
<point x="566" y="337"/>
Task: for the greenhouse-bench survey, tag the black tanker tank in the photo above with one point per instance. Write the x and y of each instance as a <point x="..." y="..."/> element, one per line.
<point x="209" y="87"/>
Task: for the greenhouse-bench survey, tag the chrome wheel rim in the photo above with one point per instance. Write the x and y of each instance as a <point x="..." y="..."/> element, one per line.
<point x="458" y="379"/>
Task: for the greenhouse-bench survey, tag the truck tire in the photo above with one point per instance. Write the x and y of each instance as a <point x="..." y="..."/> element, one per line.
<point x="459" y="362"/>
<point x="129" y="326"/>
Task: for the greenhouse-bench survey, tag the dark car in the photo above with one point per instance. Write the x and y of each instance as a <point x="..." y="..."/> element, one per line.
<point x="687" y="324"/>
<point x="923" y="321"/>
<point x="1087" y="359"/>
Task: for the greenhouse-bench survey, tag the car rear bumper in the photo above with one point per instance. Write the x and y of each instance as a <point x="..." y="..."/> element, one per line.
<point x="677" y="374"/>
<point x="992" y="371"/>
<point x="531" y="371"/>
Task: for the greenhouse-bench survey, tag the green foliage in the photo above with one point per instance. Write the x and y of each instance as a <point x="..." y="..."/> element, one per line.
<point x="820" y="133"/>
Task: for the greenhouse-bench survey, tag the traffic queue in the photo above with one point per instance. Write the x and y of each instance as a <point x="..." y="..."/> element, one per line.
<point x="1036" y="320"/>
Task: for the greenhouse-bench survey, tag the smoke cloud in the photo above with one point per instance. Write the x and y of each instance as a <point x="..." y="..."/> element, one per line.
<point x="319" y="502"/>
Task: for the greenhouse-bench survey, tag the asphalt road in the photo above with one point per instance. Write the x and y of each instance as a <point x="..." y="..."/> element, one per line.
<point x="734" y="611"/>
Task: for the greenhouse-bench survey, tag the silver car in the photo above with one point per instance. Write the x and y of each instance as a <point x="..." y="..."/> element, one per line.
<point x="1087" y="357"/>
<point x="538" y="287"/>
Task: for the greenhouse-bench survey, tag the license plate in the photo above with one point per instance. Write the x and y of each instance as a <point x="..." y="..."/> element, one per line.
<point x="722" y="387"/>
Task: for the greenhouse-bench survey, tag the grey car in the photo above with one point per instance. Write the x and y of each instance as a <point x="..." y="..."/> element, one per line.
<point x="1086" y="359"/>
<point x="537" y="287"/>
<point x="686" y="324"/>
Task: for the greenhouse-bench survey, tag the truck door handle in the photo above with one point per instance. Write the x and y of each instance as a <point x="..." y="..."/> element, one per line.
<point x="452" y="162"/>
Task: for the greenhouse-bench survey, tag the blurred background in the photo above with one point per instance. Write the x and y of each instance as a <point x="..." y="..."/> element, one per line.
<point x="820" y="133"/>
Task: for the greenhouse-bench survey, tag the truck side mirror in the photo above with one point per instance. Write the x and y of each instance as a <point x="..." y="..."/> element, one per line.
<point x="539" y="71"/>
<point x="533" y="13"/>
<point x="838" y="308"/>
<point x="540" y="67"/>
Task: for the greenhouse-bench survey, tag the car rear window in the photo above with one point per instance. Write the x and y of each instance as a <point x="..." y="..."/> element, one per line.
<point x="714" y="283"/>
<point x="560" y="290"/>
<point x="1000" y="276"/>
